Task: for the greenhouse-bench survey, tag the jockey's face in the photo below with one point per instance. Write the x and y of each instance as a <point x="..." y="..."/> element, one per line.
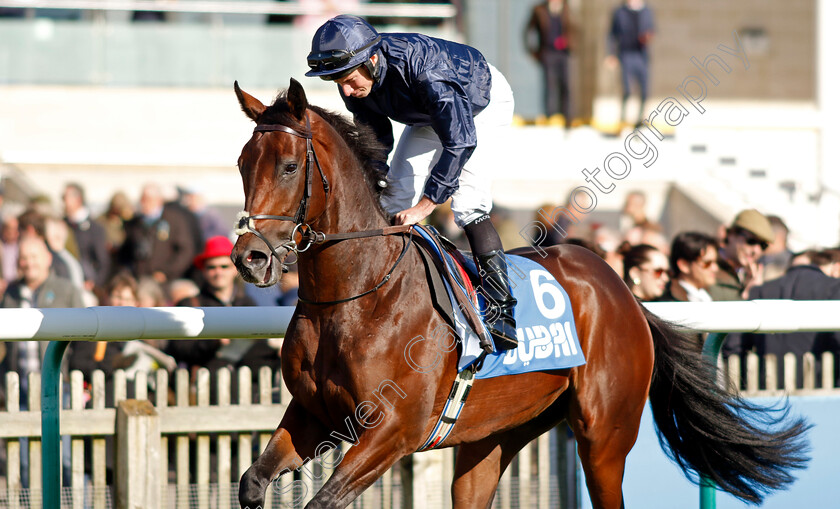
<point x="358" y="83"/>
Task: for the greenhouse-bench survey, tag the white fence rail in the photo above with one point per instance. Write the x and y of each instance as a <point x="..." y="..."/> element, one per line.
<point x="123" y="323"/>
<point x="752" y="315"/>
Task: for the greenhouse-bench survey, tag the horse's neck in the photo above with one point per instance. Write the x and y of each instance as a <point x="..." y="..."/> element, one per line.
<point x="342" y="269"/>
<point x="352" y="207"/>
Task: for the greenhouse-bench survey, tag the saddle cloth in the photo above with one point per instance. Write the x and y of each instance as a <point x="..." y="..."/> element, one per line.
<point x="545" y="323"/>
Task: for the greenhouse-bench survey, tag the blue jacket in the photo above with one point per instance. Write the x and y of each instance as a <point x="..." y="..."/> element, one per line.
<point x="424" y="81"/>
<point x="626" y="29"/>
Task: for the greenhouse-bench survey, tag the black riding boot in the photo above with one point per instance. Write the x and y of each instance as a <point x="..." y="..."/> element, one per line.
<point x="492" y="267"/>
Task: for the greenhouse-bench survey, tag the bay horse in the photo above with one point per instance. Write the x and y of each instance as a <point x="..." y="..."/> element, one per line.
<point x="364" y="295"/>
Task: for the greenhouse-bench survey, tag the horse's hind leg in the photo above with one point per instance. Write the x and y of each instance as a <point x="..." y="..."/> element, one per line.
<point x="478" y="468"/>
<point x="293" y="444"/>
<point x="603" y="449"/>
<point x="604" y="417"/>
<point x="479" y="465"/>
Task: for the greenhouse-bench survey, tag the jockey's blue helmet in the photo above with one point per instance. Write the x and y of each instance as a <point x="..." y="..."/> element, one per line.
<point x="340" y="46"/>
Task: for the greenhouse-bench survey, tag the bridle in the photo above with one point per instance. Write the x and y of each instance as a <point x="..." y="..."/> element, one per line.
<point x="309" y="237"/>
<point x="245" y="222"/>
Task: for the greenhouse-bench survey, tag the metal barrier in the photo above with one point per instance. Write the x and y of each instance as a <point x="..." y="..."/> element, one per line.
<point x="429" y="11"/>
<point x="60" y="326"/>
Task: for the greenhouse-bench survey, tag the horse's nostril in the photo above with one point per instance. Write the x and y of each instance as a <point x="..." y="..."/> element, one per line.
<point x="256" y="259"/>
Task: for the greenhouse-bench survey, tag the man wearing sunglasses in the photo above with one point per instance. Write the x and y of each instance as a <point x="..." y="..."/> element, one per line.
<point x="746" y="239"/>
<point x="693" y="262"/>
<point x="449" y="98"/>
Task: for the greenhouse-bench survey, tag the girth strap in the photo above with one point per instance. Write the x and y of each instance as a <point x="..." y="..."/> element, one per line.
<point x="451" y="410"/>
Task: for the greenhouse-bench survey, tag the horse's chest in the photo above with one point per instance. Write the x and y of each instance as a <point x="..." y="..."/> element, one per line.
<point x="316" y="376"/>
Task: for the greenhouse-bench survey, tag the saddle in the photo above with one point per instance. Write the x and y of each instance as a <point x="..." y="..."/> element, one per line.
<point x="445" y="262"/>
<point x="547" y="338"/>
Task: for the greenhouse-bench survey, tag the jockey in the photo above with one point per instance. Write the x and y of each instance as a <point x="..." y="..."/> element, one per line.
<point x="448" y="97"/>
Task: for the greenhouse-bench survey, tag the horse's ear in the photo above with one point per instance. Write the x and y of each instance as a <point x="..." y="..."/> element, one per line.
<point x="296" y="98"/>
<point x="250" y="104"/>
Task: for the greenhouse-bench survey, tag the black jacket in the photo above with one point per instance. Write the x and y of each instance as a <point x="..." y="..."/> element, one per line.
<point x="93" y="250"/>
<point x="801" y="282"/>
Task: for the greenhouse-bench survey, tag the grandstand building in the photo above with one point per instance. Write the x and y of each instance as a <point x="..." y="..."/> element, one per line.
<point x="93" y="96"/>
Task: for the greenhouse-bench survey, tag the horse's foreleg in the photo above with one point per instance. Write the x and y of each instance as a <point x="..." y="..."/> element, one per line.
<point x="293" y="443"/>
<point x="374" y="452"/>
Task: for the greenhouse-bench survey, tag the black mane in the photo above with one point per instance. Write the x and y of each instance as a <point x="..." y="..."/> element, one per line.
<point x="359" y="137"/>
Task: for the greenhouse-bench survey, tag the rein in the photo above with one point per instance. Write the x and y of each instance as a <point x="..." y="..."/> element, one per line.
<point x="309" y="237"/>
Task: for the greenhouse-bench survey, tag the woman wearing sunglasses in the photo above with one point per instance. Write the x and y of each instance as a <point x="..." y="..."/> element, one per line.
<point x="449" y="98"/>
<point x="645" y="271"/>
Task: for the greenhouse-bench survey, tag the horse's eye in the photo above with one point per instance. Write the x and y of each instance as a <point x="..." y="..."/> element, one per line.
<point x="290" y="168"/>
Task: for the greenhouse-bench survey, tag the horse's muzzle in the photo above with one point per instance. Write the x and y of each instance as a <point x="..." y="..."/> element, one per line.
<point x="256" y="264"/>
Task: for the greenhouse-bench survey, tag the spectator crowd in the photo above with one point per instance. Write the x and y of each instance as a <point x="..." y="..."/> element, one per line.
<point x="748" y="258"/>
<point x="159" y="253"/>
<point x="177" y="253"/>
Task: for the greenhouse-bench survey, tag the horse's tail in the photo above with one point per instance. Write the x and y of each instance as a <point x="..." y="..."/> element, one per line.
<point x="744" y="449"/>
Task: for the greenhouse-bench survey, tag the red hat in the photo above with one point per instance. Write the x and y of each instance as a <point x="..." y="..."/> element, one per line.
<point x="215" y="246"/>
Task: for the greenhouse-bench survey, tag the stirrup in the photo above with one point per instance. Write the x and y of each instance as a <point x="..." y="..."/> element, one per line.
<point x="503" y="331"/>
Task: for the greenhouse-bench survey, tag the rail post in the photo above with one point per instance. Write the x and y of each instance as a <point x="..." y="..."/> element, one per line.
<point x="50" y="430"/>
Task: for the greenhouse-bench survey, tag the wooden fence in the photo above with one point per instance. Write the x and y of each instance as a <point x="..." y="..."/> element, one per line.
<point x="811" y="385"/>
<point x="186" y="427"/>
<point x="199" y="450"/>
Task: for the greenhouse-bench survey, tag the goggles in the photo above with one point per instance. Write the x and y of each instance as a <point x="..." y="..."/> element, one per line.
<point x="330" y="60"/>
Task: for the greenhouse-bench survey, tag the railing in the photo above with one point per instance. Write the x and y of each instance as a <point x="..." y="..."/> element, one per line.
<point x="203" y="44"/>
<point x="236" y="421"/>
<point x="235" y="427"/>
<point x="429" y="11"/>
<point x="772" y="386"/>
<point x="243" y="418"/>
<point x="192" y="323"/>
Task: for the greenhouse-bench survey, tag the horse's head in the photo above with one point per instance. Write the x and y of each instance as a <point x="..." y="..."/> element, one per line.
<point x="285" y="187"/>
